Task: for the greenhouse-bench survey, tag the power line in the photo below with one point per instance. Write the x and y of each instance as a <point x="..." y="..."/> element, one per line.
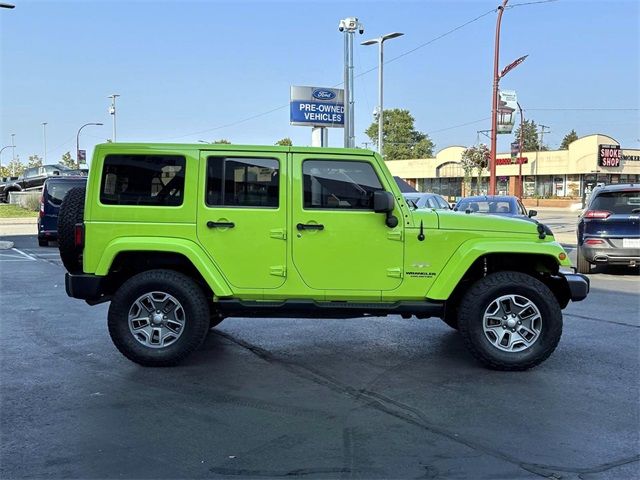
<point x="393" y="59"/>
<point x="582" y="109"/>
<point x="529" y="3"/>
<point x="458" y="126"/>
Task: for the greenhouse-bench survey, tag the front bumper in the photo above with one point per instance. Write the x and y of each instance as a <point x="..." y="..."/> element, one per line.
<point x="84" y="286"/>
<point x="578" y="285"/>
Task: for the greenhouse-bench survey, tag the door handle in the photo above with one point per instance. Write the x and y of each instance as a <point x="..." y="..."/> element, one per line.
<point x="310" y="226"/>
<point x="211" y="224"/>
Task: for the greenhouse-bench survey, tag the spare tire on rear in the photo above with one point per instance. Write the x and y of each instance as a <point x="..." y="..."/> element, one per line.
<point x="71" y="213"/>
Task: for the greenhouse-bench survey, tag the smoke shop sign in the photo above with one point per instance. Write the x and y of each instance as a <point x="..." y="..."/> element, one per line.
<point x="609" y="155"/>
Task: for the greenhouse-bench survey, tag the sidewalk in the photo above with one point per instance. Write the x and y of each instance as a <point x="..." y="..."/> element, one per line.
<point x="18" y="226"/>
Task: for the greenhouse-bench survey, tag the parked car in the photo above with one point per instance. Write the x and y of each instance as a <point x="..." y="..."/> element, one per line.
<point x="54" y="190"/>
<point x="33" y="178"/>
<point x="427" y="200"/>
<point x="179" y="237"/>
<point x="504" y="205"/>
<point x="609" y="228"/>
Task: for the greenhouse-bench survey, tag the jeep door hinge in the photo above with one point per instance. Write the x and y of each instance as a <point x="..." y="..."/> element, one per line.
<point x="278" y="271"/>
<point x="279" y="233"/>
<point x="394" y="272"/>
<point x="395" y="235"/>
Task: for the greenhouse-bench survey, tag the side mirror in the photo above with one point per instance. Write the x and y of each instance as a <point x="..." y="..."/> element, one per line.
<point x="383" y="202"/>
<point x="532" y="213"/>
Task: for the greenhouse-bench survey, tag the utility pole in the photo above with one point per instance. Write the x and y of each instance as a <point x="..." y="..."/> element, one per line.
<point x="542" y="132"/>
<point x="112" y="111"/>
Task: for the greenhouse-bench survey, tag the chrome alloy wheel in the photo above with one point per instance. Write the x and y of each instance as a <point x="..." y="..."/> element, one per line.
<point x="156" y="319"/>
<point x="512" y="323"/>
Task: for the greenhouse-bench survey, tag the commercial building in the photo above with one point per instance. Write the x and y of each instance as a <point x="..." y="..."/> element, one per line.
<point x="567" y="173"/>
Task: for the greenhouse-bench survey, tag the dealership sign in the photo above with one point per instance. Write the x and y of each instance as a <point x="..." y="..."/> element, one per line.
<point x="609" y="155"/>
<point x="507" y="105"/>
<point x="317" y="107"/>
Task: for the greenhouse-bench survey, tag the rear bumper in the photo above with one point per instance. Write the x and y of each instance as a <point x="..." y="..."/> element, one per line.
<point x="578" y="285"/>
<point x="611" y="255"/>
<point x="84" y="286"/>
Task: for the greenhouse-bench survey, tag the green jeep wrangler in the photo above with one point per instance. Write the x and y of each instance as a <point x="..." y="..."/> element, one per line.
<point x="178" y="237"/>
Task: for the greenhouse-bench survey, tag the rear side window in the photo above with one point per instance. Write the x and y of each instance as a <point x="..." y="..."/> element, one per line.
<point x="151" y="180"/>
<point x="339" y="185"/>
<point x="57" y="190"/>
<point x="242" y="182"/>
<point x="625" y="202"/>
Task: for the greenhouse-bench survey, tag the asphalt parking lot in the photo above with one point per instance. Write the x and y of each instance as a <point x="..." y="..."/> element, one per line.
<point x="364" y="398"/>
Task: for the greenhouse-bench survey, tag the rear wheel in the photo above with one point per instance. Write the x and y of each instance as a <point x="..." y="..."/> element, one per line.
<point x="159" y="317"/>
<point x="510" y="321"/>
<point x="582" y="264"/>
<point x="71" y="213"/>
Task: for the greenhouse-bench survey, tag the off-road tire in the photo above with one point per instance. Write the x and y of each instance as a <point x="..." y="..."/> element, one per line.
<point x="190" y="296"/>
<point x="71" y="213"/>
<point x="582" y="265"/>
<point x="478" y="298"/>
<point x="451" y="317"/>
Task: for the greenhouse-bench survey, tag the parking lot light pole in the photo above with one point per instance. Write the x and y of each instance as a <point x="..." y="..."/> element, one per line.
<point x="44" y="141"/>
<point x="349" y="26"/>
<point x="78" y="141"/>
<point x="112" y="111"/>
<point x="380" y="111"/>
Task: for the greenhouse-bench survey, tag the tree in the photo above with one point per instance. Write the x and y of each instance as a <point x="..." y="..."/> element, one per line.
<point x="13" y="169"/>
<point x="531" y="139"/>
<point x="401" y="139"/>
<point x="285" y="142"/>
<point x="67" y="161"/>
<point x="34" y="161"/>
<point x="476" y="157"/>
<point x="572" y="136"/>
<point x="222" y="140"/>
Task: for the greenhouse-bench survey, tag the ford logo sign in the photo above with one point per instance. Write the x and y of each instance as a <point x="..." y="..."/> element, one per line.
<point x="323" y="94"/>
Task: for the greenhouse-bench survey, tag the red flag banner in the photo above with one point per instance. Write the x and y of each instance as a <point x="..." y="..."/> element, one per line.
<point x="511" y="66"/>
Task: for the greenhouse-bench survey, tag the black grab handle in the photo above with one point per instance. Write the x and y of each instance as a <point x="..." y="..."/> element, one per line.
<point x="309" y="226"/>
<point x="211" y="224"/>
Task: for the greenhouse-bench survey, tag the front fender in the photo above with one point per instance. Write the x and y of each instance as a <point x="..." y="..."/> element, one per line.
<point x="471" y="250"/>
<point x="189" y="249"/>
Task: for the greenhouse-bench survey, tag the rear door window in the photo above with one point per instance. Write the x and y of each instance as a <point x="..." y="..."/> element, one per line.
<point x="619" y="203"/>
<point x="150" y="180"/>
<point x="242" y="182"/>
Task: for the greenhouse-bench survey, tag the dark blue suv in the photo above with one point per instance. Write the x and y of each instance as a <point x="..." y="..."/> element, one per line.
<point x="609" y="228"/>
<point x="53" y="191"/>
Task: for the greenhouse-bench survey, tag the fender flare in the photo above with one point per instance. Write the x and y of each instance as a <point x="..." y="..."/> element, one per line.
<point x="471" y="250"/>
<point x="192" y="251"/>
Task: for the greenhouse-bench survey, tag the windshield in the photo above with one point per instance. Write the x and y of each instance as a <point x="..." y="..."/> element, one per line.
<point x="623" y="202"/>
<point x="494" y="206"/>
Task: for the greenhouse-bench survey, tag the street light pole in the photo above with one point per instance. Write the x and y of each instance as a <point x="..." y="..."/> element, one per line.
<point x="112" y="111"/>
<point x="494" y="102"/>
<point x="2" y="150"/>
<point x="44" y="141"/>
<point x="521" y="148"/>
<point x="380" y="110"/>
<point x="78" y="141"/>
<point x="13" y="147"/>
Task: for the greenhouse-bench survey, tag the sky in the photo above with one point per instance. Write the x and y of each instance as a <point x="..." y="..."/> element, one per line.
<point x="205" y="70"/>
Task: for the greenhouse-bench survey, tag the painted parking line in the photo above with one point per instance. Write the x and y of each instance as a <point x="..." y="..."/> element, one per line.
<point x="15" y="255"/>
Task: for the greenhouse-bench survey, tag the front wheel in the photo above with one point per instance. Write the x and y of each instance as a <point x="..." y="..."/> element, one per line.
<point x="158" y="317"/>
<point x="510" y="321"/>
